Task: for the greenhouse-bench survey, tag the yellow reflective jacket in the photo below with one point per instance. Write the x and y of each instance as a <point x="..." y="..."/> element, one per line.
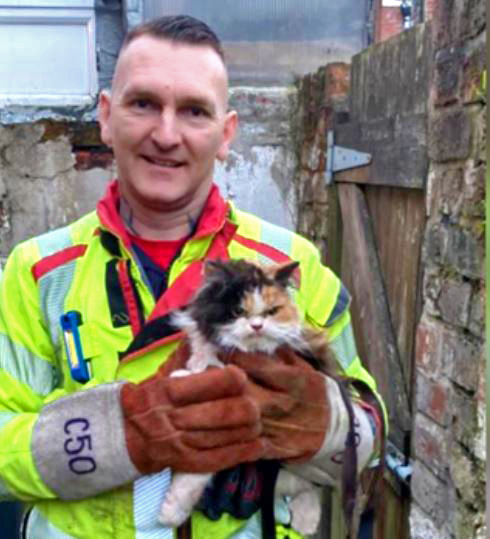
<point x="89" y="267"/>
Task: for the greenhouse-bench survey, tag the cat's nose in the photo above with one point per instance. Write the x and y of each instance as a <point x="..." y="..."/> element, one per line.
<point x="256" y="326"/>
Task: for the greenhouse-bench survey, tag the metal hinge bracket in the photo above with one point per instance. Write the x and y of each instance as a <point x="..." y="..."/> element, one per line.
<point x="340" y="158"/>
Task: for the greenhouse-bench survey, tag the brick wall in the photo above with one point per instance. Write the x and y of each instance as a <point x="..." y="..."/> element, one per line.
<point x="388" y="23"/>
<point x="430" y="7"/>
<point x="448" y="484"/>
<point x="322" y="102"/>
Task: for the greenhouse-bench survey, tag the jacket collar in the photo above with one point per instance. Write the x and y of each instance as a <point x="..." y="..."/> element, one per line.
<point x="211" y="220"/>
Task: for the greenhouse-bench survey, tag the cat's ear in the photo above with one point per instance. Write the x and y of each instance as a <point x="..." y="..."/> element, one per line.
<point x="284" y="273"/>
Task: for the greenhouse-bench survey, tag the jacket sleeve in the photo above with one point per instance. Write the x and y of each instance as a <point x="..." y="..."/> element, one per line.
<point x="326" y="302"/>
<point x="43" y="427"/>
<point x="27" y="376"/>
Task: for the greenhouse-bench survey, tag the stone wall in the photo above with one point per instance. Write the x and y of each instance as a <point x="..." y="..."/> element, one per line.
<point x="448" y="484"/>
<point x="50" y="174"/>
<point x="258" y="173"/>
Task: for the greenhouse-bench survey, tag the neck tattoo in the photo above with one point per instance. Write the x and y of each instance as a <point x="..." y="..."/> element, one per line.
<point x="127" y="216"/>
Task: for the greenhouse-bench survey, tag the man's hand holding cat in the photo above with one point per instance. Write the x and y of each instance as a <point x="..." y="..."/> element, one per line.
<point x="293" y="399"/>
<point x="199" y="423"/>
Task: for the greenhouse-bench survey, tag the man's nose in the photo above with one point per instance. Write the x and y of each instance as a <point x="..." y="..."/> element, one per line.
<point x="166" y="133"/>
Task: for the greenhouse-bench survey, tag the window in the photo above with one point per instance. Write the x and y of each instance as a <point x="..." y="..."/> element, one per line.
<point x="47" y="52"/>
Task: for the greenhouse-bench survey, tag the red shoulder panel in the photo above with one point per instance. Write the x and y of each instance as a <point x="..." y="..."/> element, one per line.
<point x="263" y="249"/>
<point x="59" y="258"/>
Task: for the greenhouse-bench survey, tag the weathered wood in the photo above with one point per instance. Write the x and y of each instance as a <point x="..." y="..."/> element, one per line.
<point x="333" y="255"/>
<point x="354" y="175"/>
<point x="398" y="149"/>
<point x="372" y="310"/>
<point x="398" y="235"/>
<point x="388" y="109"/>
<point x="392" y="513"/>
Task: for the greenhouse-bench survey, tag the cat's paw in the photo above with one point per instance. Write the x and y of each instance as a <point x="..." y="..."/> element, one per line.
<point x="306" y="512"/>
<point x="172" y="514"/>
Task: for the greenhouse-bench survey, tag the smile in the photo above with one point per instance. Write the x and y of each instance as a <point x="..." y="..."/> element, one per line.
<point x="162" y="162"/>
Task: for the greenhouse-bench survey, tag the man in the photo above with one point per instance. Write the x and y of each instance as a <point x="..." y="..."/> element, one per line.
<point x="90" y="422"/>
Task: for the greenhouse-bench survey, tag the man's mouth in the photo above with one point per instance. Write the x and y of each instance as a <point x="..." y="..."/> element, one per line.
<point x="168" y="163"/>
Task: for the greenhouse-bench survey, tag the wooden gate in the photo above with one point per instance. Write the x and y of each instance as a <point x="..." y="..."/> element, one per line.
<point x="382" y="210"/>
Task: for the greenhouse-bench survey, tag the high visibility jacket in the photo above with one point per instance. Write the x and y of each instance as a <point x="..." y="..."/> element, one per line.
<point x="89" y="267"/>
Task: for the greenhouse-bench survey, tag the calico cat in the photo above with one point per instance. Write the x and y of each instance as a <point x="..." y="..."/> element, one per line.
<point x="248" y="307"/>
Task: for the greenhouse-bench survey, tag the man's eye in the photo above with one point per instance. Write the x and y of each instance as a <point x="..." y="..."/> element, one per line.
<point x="142" y="104"/>
<point x="196" y="112"/>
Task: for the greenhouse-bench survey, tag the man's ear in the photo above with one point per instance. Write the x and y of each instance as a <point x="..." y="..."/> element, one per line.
<point x="104" y="113"/>
<point x="229" y="130"/>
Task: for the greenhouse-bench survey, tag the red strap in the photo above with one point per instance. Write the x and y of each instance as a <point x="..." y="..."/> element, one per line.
<point x="155" y="344"/>
<point x="129" y="296"/>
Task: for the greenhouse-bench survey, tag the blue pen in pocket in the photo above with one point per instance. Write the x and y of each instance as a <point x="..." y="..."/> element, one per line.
<point x="79" y="368"/>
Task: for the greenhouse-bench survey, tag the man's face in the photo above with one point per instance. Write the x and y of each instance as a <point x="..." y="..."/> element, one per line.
<point x="167" y="121"/>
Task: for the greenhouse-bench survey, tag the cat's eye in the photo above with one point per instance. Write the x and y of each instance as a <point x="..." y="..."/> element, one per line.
<point x="238" y="311"/>
<point x="273" y="310"/>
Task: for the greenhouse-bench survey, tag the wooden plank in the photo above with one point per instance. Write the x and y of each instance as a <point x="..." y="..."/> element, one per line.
<point x="374" y="322"/>
<point x="333" y="255"/>
<point x="398" y="235"/>
<point x="354" y="175"/>
<point x="391" y="519"/>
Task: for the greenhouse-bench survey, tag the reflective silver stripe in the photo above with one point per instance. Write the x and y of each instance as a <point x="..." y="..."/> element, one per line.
<point x="277" y="237"/>
<point x="5" y="417"/>
<point x="38" y="527"/>
<point x="54" y="241"/>
<point x="25" y="367"/>
<point x="341" y="304"/>
<point x="344" y="347"/>
<point x="53" y="287"/>
<point x="148" y="494"/>
<point x="55" y="284"/>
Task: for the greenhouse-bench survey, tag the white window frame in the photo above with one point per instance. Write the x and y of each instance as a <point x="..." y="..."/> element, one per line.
<point x="65" y="14"/>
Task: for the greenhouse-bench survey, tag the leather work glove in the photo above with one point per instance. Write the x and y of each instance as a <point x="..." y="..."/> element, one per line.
<point x="198" y="423"/>
<point x="293" y="401"/>
<point x="106" y="436"/>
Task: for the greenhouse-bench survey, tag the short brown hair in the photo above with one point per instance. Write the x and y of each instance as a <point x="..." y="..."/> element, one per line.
<point x="179" y="28"/>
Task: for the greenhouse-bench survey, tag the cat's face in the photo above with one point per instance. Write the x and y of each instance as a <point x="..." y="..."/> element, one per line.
<point x="248" y="307"/>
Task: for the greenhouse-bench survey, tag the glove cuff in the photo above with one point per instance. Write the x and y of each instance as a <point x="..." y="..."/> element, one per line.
<point x="325" y="467"/>
<point x="79" y="444"/>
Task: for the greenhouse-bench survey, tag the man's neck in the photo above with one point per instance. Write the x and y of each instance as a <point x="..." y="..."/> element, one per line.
<point x="169" y="225"/>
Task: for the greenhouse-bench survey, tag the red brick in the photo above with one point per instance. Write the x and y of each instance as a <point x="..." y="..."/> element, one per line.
<point x="428" y="347"/>
<point x="430" y="7"/>
<point x="389" y="23"/>
<point x="86" y="159"/>
<point x="337" y="80"/>
<point x="433" y="398"/>
<point x="430" y="444"/>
